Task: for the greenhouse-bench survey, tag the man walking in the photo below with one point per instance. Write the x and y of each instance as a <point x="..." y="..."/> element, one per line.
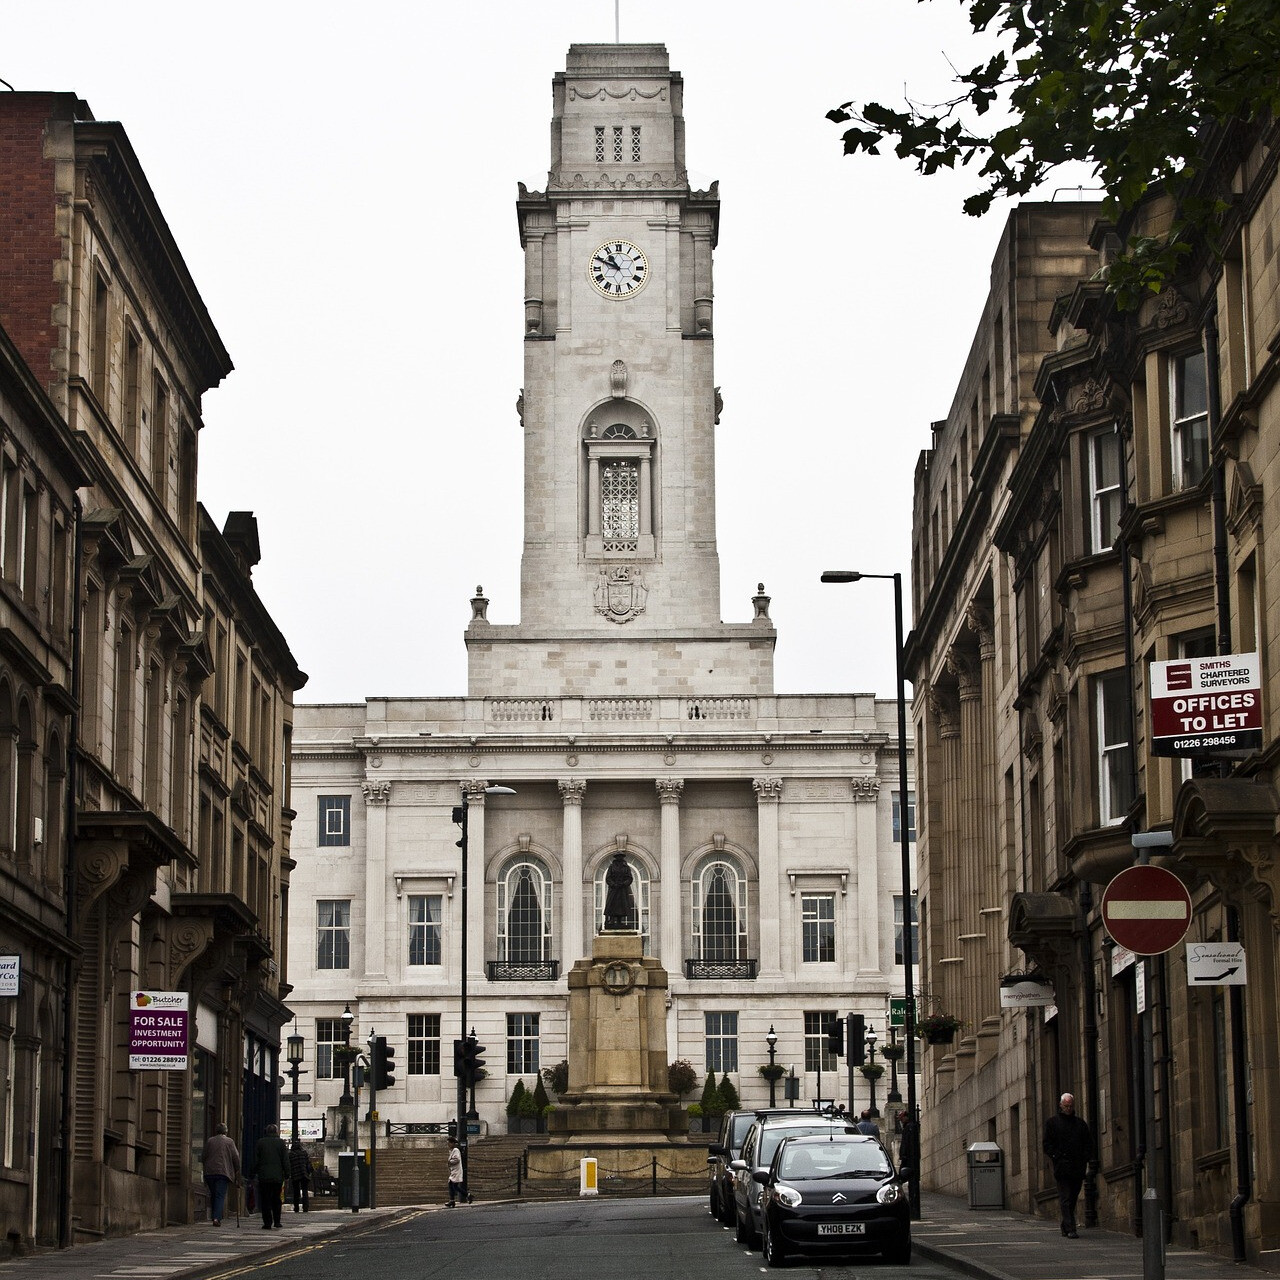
<point x="1069" y="1145"/>
<point x="221" y="1165"/>
<point x="299" y="1176"/>
<point x="271" y="1168"/>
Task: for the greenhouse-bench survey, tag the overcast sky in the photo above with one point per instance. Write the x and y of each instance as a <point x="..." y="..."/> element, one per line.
<point x="341" y="180"/>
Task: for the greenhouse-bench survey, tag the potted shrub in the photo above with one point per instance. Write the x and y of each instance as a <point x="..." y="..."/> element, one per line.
<point x="515" y="1103"/>
<point x="527" y="1119"/>
<point x="697" y="1121"/>
<point x="681" y="1077"/>
<point x="541" y="1105"/>
<point x="938" y="1028"/>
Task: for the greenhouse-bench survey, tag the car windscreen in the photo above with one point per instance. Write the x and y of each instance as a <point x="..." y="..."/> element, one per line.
<point x="771" y="1136"/>
<point x="833" y="1160"/>
<point x="738" y="1134"/>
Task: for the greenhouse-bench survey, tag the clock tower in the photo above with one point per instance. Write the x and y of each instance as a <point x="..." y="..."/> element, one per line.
<point x="620" y="578"/>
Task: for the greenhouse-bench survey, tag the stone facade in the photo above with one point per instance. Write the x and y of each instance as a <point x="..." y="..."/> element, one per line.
<point x="101" y="309"/>
<point x="1114" y="517"/>
<point x="626" y="716"/>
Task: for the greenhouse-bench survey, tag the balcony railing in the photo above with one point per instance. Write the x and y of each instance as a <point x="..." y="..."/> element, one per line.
<point x="722" y="969"/>
<point x="532" y="971"/>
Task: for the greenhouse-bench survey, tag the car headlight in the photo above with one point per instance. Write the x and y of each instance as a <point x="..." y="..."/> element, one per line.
<point x="890" y="1193"/>
<point x="784" y="1194"/>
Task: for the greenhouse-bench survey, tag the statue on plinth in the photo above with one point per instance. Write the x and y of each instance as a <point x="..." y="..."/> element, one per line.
<point x="619" y="902"/>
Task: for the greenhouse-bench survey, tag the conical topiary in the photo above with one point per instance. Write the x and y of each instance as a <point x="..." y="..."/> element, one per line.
<point x="540" y="1098"/>
<point x="711" y="1096"/>
<point x="729" y="1100"/>
<point x="513" y="1103"/>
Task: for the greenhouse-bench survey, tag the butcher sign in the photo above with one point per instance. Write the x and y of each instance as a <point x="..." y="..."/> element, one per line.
<point x="1146" y="909"/>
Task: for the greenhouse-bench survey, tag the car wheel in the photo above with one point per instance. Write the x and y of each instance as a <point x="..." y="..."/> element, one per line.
<point x="774" y="1252"/>
<point x="713" y="1202"/>
<point x="899" y="1253"/>
<point x="742" y="1233"/>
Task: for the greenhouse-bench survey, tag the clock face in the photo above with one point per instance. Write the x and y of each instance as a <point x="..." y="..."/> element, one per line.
<point x="618" y="269"/>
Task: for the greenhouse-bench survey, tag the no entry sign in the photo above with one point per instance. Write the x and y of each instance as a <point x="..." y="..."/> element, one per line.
<point x="1147" y="909"/>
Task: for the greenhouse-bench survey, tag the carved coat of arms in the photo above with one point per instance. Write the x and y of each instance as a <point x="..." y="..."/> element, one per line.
<point x="620" y="594"/>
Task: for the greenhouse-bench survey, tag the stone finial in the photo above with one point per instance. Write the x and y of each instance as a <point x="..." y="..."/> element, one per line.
<point x="761" y="603"/>
<point x="520" y="406"/>
<point x="479" y="606"/>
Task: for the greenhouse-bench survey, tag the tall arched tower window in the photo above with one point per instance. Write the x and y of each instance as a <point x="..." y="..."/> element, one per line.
<point x="619" y="442"/>
<point x="524" y="912"/>
<point x="720" y="911"/>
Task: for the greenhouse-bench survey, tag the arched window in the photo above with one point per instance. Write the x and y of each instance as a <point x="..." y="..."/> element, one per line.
<point x="639" y="891"/>
<point x="620" y="459"/>
<point x="720" y="911"/>
<point x="524" y="913"/>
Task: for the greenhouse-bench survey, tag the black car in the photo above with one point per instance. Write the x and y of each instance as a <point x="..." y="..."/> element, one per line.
<point x="727" y="1147"/>
<point x="766" y="1131"/>
<point x="834" y="1194"/>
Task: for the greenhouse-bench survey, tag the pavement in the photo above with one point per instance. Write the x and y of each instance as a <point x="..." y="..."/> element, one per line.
<point x="989" y="1244"/>
<point x="999" y="1244"/>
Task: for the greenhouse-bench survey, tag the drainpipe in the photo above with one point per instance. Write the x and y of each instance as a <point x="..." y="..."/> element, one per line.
<point x="69" y="882"/>
<point x="1090" y="1056"/>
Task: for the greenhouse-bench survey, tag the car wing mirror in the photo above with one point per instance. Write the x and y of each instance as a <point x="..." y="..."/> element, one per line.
<point x="761" y="1176"/>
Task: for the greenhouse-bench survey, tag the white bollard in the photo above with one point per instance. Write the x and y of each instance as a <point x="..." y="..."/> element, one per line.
<point x="587" y="1177"/>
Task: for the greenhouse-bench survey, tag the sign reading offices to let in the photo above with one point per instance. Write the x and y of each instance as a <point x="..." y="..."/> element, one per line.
<point x="1201" y="705"/>
<point x="158" y="1031"/>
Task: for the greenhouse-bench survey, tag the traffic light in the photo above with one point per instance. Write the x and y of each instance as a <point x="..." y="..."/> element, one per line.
<point x="835" y="1036"/>
<point x="472" y="1062"/>
<point x="384" y="1063"/>
<point x="857" y="1039"/>
<point x="457" y="1059"/>
<point x="452" y="1128"/>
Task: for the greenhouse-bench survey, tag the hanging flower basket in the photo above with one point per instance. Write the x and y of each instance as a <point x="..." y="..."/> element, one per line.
<point x="892" y="1052"/>
<point x="774" y="1072"/>
<point x="872" y="1071"/>
<point x="938" y="1028"/>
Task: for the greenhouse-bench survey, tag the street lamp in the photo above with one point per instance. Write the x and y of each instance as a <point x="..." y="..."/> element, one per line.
<point x="870" y="1039"/>
<point x="293" y="1053"/>
<point x="771" y="1039"/>
<point x="909" y="1152"/>
<point x="460" y="817"/>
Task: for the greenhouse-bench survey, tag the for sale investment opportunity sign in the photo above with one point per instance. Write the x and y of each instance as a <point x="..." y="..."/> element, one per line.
<point x="158" y="1031"/>
<point x="1203" y="705"/>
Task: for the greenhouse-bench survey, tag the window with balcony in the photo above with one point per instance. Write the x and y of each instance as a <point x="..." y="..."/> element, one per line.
<point x="719" y="899"/>
<point x="524" y="913"/>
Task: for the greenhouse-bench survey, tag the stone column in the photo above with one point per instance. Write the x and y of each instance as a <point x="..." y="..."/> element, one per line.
<point x="376" y="796"/>
<point x="572" y="791"/>
<point x="991" y="915"/>
<point x="944" y="870"/>
<point x="866" y="796"/>
<point x="768" y="798"/>
<point x="671" y="943"/>
<point x="593" y="495"/>
<point x="474" y="789"/>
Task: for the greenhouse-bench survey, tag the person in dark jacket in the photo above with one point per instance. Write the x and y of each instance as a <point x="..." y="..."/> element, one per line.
<point x="1069" y="1145"/>
<point x="299" y="1176"/>
<point x="271" y="1168"/>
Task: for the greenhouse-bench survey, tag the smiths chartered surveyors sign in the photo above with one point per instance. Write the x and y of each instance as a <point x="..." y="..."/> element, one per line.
<point x="1201" y="705"/>
<point x="158" y="1031"/>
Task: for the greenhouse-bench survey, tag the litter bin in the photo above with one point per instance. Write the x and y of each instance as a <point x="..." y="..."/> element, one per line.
<point x="986" y="1176"/>
<point x="345" y="1161"/>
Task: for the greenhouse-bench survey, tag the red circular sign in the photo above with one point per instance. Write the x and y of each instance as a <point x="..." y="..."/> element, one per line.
<point x="1147" y="909"/>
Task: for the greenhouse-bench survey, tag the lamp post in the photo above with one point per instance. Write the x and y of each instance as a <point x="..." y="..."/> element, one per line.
<point x="460" y="817"/>
<point x="293" y="1052"/>
<point x="348" y="1100"/>
<point x="771" y="1039"/>
<point x="870" y="1039"/>
<point x="909" y="1152"/>
<point x="894" y="1094"/>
